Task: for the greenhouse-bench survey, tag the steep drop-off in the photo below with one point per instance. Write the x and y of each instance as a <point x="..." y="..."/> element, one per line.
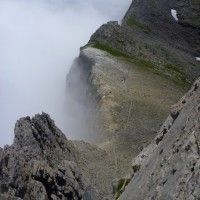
<point x="134" y="70"/>
<point x="120" y="90"/>
<point x="124" y="100"/>
<point x="128" y="75"/>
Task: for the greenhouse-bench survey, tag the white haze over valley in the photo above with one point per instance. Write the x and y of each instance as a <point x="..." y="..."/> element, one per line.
<point x="38" y="41"/>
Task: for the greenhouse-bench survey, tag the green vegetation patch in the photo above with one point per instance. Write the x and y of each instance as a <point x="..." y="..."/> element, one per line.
<point x="135" y="23"/>
<point x="108" y="49"/>
<point x="122" y="183"/>
<point x="168" y="69"/>
<point x="145" y="63"/>
<point x="181" y="79"/>
<point x="172" y="68"/>
<point x="136" y="168"/>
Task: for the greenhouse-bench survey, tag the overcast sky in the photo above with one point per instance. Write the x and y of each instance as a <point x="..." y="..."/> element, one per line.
<point x="38" y="41"/>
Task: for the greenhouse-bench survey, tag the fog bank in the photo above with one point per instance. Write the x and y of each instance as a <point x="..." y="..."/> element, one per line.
<point x="39" y="40"/>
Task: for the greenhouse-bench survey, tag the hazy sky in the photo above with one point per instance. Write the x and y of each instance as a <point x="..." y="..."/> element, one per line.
<point x="38" y="41"/>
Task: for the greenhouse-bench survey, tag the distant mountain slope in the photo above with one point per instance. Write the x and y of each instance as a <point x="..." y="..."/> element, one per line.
<point x="149" y="34"/>
<point x="124" y="82"/>
<point x="183" y="34"/>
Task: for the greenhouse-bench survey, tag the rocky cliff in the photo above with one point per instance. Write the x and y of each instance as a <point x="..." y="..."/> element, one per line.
<point x="120" y="90"/>
<point x="133" y="65"/>
<point x="124" y="98"/>
<point x="169" y="168"/>
<point x="41" y="164"/>
<point x="182" y="32"/>
<point x="129" y="75"/>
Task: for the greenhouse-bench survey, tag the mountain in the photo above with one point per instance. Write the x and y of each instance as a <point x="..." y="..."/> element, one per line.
<point x="130" y="73"/>
<point x="126" y="78"/>
<point x="120" y="90"/>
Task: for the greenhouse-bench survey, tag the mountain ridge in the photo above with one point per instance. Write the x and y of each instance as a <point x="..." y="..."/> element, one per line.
<point x="120" y="89"/>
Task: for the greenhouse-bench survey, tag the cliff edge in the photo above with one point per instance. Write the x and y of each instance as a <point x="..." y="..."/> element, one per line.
<point x="120" y="90"/>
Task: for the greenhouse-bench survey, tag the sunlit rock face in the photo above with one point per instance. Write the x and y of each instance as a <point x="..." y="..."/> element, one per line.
<point x="169" y="166"/>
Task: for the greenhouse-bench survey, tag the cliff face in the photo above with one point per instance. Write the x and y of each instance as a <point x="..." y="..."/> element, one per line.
<point x="120" y="90"/>
<point x="130" y="74"/>
<point x="130" y="69"/>
<point x="126" y="101"/>
<point x="169" y="167"/>
<point x="183" y="33"/>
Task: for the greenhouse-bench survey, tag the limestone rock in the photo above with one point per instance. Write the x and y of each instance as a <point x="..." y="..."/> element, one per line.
<point x="40" y="164"/>
<point x="170" y="166"/>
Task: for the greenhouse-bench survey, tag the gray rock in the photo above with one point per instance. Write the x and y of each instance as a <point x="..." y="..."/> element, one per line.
<point x="157" y="16"/>
<point x="148" y="33"/>
<point x="40" y="164"/>
<point x="169" y="169"/>
<point x="91" y="194"/>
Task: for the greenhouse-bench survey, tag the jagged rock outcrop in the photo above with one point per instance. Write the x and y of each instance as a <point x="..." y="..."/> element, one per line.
<point x="41" y="164"/>
<point x="169" y="168"/>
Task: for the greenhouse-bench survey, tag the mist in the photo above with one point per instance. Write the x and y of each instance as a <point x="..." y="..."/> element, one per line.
<point x="39" y="40"/>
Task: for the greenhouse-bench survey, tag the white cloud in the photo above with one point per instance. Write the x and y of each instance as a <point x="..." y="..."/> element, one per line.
<point x="39" y="40"/>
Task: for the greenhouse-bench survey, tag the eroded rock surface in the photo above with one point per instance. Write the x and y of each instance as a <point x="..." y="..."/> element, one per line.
<point x="169" y="168"/>
<point x="40" y="164"/>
